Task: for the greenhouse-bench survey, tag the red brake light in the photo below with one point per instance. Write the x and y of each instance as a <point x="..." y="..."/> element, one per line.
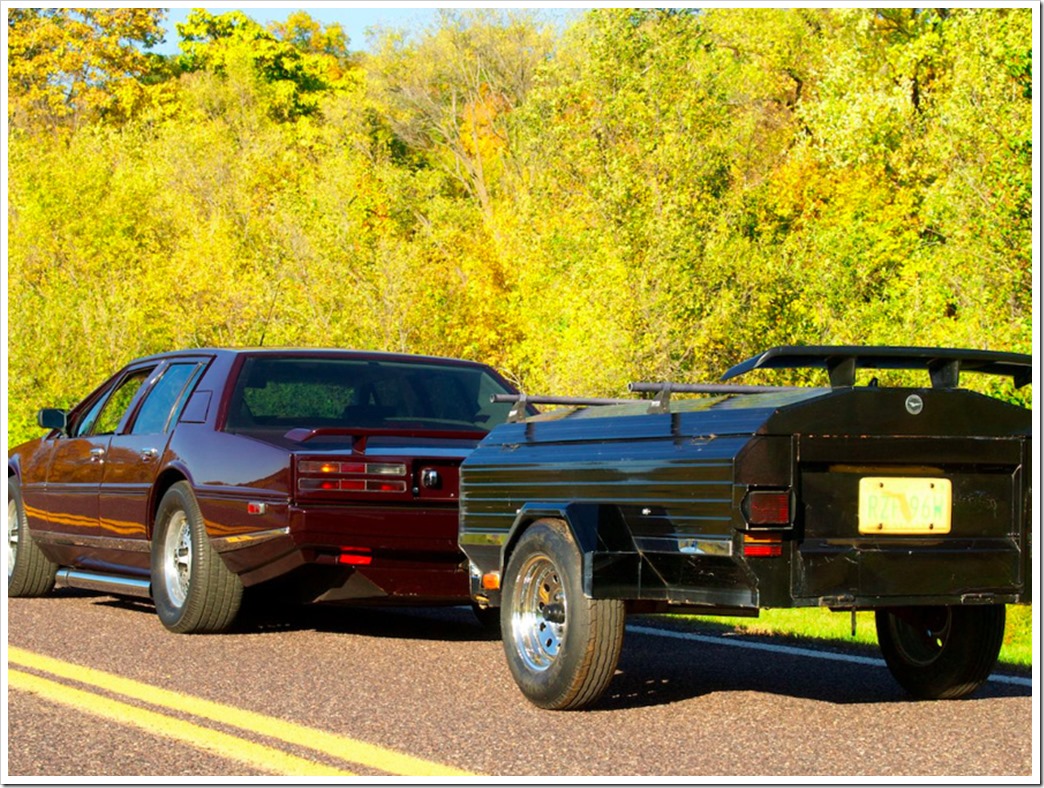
<point x="380" y="486"/>
<point x="766" y="545"/>
<point x="768" y="507"/>
<point x="355" y="556"/>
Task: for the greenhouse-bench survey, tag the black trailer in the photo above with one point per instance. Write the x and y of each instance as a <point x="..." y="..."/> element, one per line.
<point x="912" y="502"/>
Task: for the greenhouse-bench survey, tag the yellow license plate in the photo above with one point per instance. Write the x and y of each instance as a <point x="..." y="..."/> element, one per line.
<point x="903" y="505"/>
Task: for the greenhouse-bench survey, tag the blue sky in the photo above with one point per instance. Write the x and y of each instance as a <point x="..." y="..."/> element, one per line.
<point x="355" y="18"/>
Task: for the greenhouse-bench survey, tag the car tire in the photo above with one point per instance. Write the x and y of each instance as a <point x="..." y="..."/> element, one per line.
<point x="193" y="590"/>
<point x="937" y="652"/>
<point x="562" y="648"/>
<point x="29" y="572"/>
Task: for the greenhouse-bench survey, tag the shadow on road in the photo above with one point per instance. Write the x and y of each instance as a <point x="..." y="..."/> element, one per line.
<point x="653" y="670"/>
<point x="264" y="612"/>
<point x="456" y="623"/>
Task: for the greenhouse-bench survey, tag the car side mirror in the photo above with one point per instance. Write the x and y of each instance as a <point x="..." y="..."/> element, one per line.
<point x="53" y="419"/>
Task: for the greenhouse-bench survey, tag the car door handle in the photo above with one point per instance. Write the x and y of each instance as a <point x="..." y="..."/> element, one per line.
<point x="148" y="454"/>
<point x="97" y="455"/>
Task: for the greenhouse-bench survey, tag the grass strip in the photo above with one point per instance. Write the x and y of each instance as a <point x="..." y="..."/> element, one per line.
<point x="822" y="624"/>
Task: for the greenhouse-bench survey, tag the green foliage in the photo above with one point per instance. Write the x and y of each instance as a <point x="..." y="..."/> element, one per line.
<point x="295" y="65"/>
<point x="647" y="194"/>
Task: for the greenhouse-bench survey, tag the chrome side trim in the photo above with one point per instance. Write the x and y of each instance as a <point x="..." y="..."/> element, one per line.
<point x="224" y="544"/>
<point x="96" y="542"/>
<point x="721" y="546"/>
<point x="110" y="584"/>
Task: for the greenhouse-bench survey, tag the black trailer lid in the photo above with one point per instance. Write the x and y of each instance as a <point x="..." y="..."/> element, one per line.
<point x="841" y="361"/>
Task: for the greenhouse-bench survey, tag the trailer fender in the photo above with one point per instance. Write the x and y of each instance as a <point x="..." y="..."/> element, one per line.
<point x="587" y="522"/>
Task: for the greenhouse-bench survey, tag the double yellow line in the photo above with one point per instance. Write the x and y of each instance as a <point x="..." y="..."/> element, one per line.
<point x="259" y="756"/>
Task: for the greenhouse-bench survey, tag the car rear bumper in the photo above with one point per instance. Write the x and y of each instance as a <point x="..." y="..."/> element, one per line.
<point x="348" y="553"/>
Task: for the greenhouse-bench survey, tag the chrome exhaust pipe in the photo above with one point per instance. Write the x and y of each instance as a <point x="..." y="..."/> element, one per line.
<point x="109" y="584"/>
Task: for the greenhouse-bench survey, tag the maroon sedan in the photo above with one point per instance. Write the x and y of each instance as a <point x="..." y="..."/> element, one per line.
<point x="189" y="475"/>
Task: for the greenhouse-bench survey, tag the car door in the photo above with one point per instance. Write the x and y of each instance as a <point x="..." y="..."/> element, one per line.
<point x="134" y="456"/>
<point x="68" y="503"/>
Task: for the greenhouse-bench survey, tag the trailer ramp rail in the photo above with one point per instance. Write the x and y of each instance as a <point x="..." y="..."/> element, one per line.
<point x="944" y="366"/>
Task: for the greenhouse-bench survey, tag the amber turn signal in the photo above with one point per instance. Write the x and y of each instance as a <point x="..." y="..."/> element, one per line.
<point x="491" y="581"/>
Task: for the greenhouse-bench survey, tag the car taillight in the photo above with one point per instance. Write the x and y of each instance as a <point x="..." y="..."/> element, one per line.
<point x="363" y="468"/>
<point x="334" y="475"/>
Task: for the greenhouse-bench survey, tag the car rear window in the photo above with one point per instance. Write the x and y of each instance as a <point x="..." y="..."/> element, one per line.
<point x="320" y="392"/>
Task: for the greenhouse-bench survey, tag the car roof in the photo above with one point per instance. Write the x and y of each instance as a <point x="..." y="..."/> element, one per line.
<point x="306" y="352"/>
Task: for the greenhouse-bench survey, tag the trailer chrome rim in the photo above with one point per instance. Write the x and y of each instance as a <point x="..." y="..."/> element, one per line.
<point x="177" y="558"/>
<point x="538" y="618"/>
<point x="921" y="638"/>
<point x="12" y="535"/>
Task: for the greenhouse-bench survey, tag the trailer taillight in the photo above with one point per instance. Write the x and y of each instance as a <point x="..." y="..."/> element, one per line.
<point x="768" y="507"/>
<point x="763" y="545"/>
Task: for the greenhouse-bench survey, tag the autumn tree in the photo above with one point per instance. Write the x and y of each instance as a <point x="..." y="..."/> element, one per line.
<point x="71" y="66"/>
<point x="452" y="90"/>
<point x="296" y="62"/>
<point x="647" y="193"/>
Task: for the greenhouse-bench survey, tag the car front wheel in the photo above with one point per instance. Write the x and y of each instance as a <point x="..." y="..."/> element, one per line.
<point x="941" y="652"/>
<point x="193" y="590"/>
<point x="562" y="648"/>
<point x="29" y="573"/>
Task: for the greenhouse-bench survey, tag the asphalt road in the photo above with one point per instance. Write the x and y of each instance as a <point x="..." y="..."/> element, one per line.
<point x="98" y="687"/>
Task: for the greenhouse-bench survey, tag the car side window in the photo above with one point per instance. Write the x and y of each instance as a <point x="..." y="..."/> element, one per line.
<point x="167" y="395"/>
<point x="86" y="424"/>
<point x="118" y="402"/>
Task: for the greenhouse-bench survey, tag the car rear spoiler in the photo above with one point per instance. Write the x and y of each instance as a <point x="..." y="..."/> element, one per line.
<point x="944" y="365"/>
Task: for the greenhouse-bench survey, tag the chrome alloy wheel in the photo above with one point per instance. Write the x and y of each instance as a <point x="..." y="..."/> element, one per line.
<point x="12" y="535"/>
<point x="538" y="617"/>
<point x="177" y="558"/>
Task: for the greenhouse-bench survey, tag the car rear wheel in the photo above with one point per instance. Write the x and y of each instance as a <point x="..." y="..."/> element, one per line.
<point x="192" y="588"/>
<point x="561" y="647"/>
<point x="941" y="652"/>
<point x="29" y="573"/>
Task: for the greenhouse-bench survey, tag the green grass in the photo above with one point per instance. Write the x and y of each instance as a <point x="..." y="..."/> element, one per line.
<point x="822" y="624"/>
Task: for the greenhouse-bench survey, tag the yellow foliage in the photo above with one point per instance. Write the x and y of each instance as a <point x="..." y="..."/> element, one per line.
<point x="650" y="194"/>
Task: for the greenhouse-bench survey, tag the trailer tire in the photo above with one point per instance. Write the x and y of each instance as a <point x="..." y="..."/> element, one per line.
<point x="937" y="652"/>
<point x="562" y="648"/>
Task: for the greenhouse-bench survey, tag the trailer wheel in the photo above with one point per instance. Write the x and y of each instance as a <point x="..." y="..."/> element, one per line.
<point x="941" y="652"/>
<point x="561" y="647"/>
